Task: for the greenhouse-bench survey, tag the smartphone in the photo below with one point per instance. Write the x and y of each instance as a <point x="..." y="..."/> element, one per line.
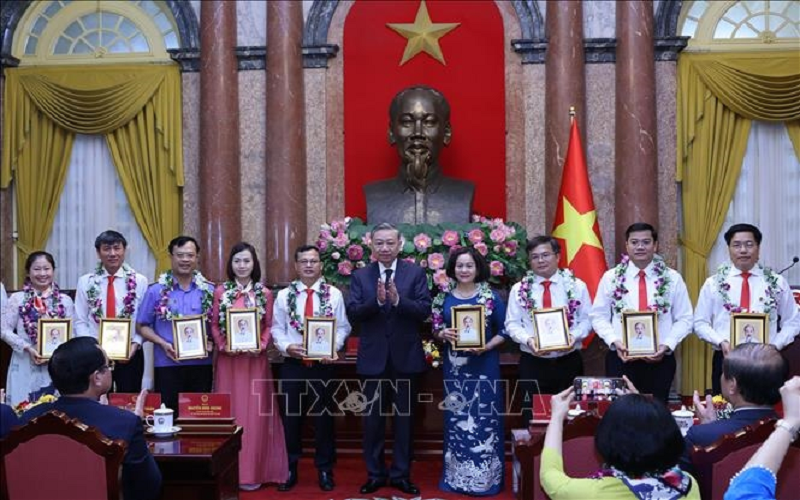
<point x="597" y="388"/>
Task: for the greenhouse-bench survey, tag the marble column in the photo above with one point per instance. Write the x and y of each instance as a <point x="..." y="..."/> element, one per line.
<point x="636" y="152"/>
<point x="565" y="86"/>
<point x="220" y="194"/>
<point x="286" y="149"/>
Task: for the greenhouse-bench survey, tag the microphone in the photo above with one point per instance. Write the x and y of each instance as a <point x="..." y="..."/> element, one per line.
<point x="795" y="260"/>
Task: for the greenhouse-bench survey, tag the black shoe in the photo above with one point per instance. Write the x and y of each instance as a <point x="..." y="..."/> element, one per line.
<point x="326" y="480"/>
<point x="372" y="485"/>
<point x="290" y="483"/>
<point x="405" y="486"/>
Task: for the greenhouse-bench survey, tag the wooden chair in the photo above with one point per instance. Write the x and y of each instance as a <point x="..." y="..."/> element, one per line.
<point x="716" y="464"/>
<point x="580" y="457"/>
<point x="54" y="456"/>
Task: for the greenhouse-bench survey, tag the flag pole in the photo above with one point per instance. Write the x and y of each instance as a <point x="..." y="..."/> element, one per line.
<point x="571" y="114"/>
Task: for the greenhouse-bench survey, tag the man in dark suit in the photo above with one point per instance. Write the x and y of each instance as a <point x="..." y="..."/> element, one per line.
<point x="81" y="372"/>
<point x="752" y="375"/>
<point x="390" y="300"/>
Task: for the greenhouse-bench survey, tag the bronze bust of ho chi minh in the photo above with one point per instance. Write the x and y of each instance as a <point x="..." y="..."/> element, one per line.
<point x="419" y="127"/>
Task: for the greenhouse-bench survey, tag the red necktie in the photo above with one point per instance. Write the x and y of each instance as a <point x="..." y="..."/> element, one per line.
<point x="642" y="291"/>
<point x="744" y="301"/>
<point x="547" y="299"/>
<point x="309" y="311"/>
<point x="111" y="299"/>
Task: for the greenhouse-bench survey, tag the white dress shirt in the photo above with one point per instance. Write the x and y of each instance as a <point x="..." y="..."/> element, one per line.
<point x="519" y="324"/>
<point x="673" y="325"/>
<point x="284" y="335"/>
<point x="712" y="320"/>
<point x="85" y="324"/>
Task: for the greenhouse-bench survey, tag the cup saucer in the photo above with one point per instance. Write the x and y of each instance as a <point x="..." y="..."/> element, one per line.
<point x="165" y="433"/>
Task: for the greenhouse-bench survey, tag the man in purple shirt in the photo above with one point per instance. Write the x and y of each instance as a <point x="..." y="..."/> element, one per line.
<point x="180" y="292"/>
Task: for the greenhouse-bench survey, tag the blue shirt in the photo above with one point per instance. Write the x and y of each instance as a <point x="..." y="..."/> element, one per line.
<point x="182" y="303"/>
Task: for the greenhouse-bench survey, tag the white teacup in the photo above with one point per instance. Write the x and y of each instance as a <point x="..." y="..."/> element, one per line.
<point x="684" y="418"/>
<point x="160" y="420"/>
<point x="575" y="412"/>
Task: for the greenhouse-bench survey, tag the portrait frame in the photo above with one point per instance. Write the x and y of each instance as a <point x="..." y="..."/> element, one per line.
<point x="740" y="322"/>
<point x="115" y="337"/>
<point x="184" y="347"/>
<point x="648" y="345"/>
<point x="477" y="315"/>
<point x="234" y="340"/>
<point x="546" y="339"/>
<point x="63" y="326"/>
<point x="315" y="347"/>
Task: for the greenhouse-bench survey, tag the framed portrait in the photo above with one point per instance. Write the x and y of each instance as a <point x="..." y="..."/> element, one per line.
<point x="52" y="333"/>
<point x="551" y="329"/>
<point x="470" y="323"/>
<point x="115" y="337"/>
<point x="319" y="337"/>
<point x="243" y="330"/>
<point x="189" y="337"/>
<point x="640" y="333"/>
<point x="748" y="327"/>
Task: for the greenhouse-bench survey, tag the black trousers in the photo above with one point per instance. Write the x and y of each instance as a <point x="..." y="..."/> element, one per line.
<point x="305" y="390"/>
<point x="546" y="376"/>
<point x="649" y="378"/>
<point x="128" y="376"/>
<point x="171" y="380"/>
<point x="390" y="394"/>
<point x="716" y="372"/>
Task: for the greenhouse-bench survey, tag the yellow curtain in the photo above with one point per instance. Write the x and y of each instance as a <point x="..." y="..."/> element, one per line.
<point x="718" y="96"/>
<point x="138" y="108"/>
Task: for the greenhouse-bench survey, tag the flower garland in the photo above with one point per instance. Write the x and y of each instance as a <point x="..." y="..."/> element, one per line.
<point x="325" y="306"/>
<point x="770" y="299"/>
<point x="30" y="315"/>
<point x="93" y="293"/>
<point x="485" y="298"/>
<point x="526" y="300"/>
<point x="232" y="290"/>
<point x="167" y="282"/>
<point x="661" y="304"/>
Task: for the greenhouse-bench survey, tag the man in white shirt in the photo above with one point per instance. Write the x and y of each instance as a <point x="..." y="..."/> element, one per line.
<point x="308" y="296"/>
<point x="547" y="286"/>
<point x="116" y="279"/>
<point x="742" y="284"/>
<point x="642" y="282"/>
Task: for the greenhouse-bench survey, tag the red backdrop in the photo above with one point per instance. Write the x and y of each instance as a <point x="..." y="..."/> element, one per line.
<point x="473" y="82"/>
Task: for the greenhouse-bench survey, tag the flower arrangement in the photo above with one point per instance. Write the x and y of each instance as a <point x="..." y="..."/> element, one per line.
<point x="51" y="307"/>
<point x="722" y="407"/>
<point x="345" y="245"/>
<point x="769" y="300"/>
<point x="26" y="405"/>
<point x="432" y="355"/>
<point x="661" y="304"/>
<point x="96" y="310"/>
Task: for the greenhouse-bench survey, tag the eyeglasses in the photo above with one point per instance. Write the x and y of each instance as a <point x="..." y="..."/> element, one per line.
<point x="738" y="245"/>
<point x="307" y="262"/>
<point x="541" y="256"/>
<point x="108" y="366"/>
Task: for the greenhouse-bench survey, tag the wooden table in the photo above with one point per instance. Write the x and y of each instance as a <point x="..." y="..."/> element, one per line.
<point x="200" y="467"/>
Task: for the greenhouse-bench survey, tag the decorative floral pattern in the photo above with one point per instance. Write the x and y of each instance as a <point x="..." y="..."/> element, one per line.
<point x="167" y="282"/>
<point x="769" y="301"/>
<point x="325" y="306"/>
<point x="30" y="314"/>
<point x="93" y="293"/>
<point x="526" y="300"/>
<point x="660" y="303"/>
<point x="229" y="296"/>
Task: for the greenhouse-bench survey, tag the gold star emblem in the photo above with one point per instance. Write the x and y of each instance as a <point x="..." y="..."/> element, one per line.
<point x="423" y="35"/>
<point x="577" y="230"/>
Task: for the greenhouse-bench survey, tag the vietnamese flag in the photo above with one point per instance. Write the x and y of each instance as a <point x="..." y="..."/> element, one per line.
<point x="575" y="225"/>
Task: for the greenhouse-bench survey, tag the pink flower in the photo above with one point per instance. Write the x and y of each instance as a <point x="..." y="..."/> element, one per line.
<point x="482" y="248"/>
<point x="338" y="226"/>
<point x="367" y="239"/>
<point x="475" y="236"/>
<point x="436" y="261"/>
<point x="422" y="242"/>
<point x="423" y="263"/>
<point x="440" y="279"/>
<point x="450" y="237"/>
<point x="336" y="256"/>
<point x="341" y="240"/>
<point x="325" y="234"/>
<point x="355" y="252"/>
<point x="410" y="260"/>
<point x="497" y="235"/>
<point x="496" y="268"/>
<point x="510" y="248"/>
<point x="345" y="268"/>
<point x="322" y="245"/>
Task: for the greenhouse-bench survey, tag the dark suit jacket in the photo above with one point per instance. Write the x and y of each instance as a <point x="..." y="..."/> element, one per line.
<point x="8" y="419"/>
<point x="388" y="329"/>
<point x="707" y="434"/>
<point x="141" y="478"/>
